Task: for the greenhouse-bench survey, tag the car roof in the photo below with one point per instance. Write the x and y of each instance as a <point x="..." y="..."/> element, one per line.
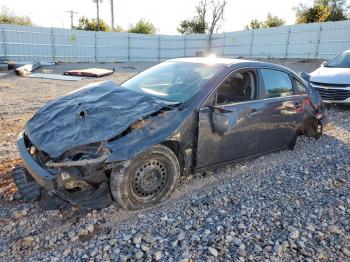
<point x="209" y="60"/>
<point x="230" y="62"/>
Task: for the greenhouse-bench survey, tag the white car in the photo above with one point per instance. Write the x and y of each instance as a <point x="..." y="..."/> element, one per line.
<point x="332" y="79"/>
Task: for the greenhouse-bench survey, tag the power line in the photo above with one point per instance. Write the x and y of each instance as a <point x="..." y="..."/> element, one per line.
<point x="71" y="17"/>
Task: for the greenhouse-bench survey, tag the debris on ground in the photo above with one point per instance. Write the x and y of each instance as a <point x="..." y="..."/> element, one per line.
<point x="2" y="74"/>
<point x="3" y="67"/>
<point x="90" y="72"/>
<point x="27" y="69"/>
<point x="56" y="77"/>
<point x="16" y="64"/>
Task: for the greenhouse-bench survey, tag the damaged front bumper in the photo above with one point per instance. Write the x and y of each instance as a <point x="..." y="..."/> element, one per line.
<point x="44" y="178"/>
<point x="54" y="178"/>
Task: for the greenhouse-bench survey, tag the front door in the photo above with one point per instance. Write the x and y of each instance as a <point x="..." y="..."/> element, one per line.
<point x="229" y="122"/>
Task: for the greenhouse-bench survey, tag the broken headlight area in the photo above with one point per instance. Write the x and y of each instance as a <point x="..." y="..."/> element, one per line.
<point x="81" y="168"/>
<point x="85" y="155"/>
<point x="82" y="177"/>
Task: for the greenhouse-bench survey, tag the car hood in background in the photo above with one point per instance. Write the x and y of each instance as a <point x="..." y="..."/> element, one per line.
<point x="330" y="75"/>
<point x="95" y="113"/>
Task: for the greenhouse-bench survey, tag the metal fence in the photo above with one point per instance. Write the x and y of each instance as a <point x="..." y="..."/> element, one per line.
<point x="314" y="41"/>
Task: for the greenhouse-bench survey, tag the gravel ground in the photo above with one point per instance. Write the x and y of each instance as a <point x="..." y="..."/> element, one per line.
<point x="287" y="206"/>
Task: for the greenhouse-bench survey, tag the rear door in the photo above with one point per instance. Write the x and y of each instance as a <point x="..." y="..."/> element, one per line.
<point x="283" y="110"/>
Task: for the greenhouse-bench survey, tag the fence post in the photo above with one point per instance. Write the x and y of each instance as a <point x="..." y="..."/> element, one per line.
<point x="287" y="46"/>
<point x="53" y="51"/>
<point x="251" y="44"/>
<point x="128" y="49"/>
<point x="318" y="41"/>
<point x="3" y="41"/>
<point x="95" y="46"/>
<point x="223" y="45"/>
<point x="185" y="45"/>
<point x="210" y="38"/>
<point x="158" y="47"/>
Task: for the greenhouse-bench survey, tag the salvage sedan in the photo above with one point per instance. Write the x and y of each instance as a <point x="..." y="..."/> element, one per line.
<point x="131" y="142"/>
<point x="332" y="79"/>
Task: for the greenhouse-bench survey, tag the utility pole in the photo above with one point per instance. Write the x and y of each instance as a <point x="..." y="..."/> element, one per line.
<point x="98" y="13"/>
<point x="112" y="15"/>
<point x="71" y="17"/>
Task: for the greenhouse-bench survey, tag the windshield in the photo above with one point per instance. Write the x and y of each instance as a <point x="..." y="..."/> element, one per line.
<point x="173" y="81"/>
<point x="342" y="61"/>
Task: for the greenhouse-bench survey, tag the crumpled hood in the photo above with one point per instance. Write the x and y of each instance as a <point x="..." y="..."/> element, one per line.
<point x="91" y="114"/>
<point x="330" y="75"/>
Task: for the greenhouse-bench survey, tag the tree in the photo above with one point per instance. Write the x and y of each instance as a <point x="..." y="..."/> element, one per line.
<point x="91" y="25"/>
<point x="254" y="24"/>
<point x="322" y="11"/>
<point x="271" y="21"/>
<point x="7" y="16"/>
<point x="118" y="28"/>
<point x="142" y="27"/>
<point x="194" y="26"/>
<point x="338" y="9"/>
<point x="316" y="13"/>
<point x="274" y="21"/>
<point x="217" y="16"/>
<point x="208" y="18"/>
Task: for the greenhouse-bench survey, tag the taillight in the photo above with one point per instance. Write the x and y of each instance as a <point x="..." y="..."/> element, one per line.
<point x="319" y="115"/>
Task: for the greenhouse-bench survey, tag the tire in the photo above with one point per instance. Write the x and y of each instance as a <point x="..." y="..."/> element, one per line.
<point x="292" y="144"/>
<point x="147" y="179"/>
<point x="26" y="185"/>
<point x="313" y="128"/>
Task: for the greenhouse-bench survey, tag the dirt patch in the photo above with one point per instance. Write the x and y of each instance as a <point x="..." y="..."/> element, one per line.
<point x="7" y="185"/>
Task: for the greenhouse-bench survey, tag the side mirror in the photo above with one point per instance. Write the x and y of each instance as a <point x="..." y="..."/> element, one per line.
<point x="219" y="119"/>
<point x="305" y="76"/>
<point x="324" y="63"/>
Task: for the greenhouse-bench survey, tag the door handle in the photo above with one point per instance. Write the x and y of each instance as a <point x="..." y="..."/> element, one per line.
<point x="253" y="112"/>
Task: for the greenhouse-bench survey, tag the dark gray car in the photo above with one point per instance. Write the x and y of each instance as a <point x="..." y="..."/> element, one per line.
<point x="130" y="143"/>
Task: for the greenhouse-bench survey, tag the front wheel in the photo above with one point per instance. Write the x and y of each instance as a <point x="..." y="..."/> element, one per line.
<point x="147" y="179"/>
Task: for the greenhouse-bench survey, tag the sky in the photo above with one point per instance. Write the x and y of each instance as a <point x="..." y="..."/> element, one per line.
<point x="164" y="14"/>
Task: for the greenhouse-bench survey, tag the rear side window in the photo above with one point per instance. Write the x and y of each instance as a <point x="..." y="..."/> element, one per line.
<point x="301" y="89"/>
<point x="277" y="83"/>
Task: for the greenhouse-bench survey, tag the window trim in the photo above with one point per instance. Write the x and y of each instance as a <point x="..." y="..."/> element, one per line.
<point x="258" y="100"/>
<point x="255" y="71"/>
<point x="296" y="89"/>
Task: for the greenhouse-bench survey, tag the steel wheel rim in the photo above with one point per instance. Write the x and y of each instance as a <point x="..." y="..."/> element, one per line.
<point x="150" y="181"/>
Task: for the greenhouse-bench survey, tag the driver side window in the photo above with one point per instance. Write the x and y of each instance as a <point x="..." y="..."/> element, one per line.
<point x="238" y="87"/>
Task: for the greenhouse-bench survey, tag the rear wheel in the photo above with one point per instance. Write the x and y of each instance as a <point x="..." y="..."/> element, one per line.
<point x="147" y="179"/>
<point x="313" y="128"/>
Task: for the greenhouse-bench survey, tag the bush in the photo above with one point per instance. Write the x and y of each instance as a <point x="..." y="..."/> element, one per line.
<point x="143" y="27"/>
<point x="91" y="25"/>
